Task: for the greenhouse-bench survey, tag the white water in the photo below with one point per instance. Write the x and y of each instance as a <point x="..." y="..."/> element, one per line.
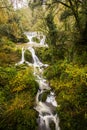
<point x="18" y="4"/>
<point x="45" y="109"/>
<point x="37" y="62"/>
<point x="51" y="99"/>
<point x="43" y="40"/>
<point x="30" y="36"/>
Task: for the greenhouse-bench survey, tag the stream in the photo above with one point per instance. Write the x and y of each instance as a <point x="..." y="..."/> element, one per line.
<point x="47" y="109"/>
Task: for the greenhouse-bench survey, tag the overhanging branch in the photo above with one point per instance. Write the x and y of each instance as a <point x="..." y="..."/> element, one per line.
<point x="63" y="3"/>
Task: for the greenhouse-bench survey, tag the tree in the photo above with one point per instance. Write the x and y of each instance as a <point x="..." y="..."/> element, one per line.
<point x="52" y="29"/>
<point x="78" y="9"/>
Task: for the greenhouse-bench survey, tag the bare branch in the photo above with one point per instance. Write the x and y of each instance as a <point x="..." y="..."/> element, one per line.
<point x="63" y="3"/>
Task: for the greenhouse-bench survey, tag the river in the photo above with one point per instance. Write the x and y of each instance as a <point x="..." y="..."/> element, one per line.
<point x="46" y="109"/>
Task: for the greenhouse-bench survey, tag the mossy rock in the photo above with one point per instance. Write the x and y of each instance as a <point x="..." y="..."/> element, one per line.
<point x="44" y="95"/>
<point x="28" y="56"/>
<point x="24" y="38"/>
<point x="35" y="39"/>
<point x="41" y="37"/>
<point x="52" y="125"/>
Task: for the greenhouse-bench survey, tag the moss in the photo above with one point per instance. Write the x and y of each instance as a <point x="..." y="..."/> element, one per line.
<point x="24" y="39"/>
<point x="44" y="54"/>
<point x="35" y="39"/>
<point x="43" y="96"/>
<point x="52" y="125"/>
<point x="28" y="56"/>
<point x="9" y="54"/>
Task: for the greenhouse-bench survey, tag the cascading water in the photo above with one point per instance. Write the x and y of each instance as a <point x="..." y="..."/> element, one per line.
<point x="43" y="40"/>
<point x="18" y="4"/>
<point x="39" y="35"/>
<point x="45" y="109"/>
<point x="37" y="62"/>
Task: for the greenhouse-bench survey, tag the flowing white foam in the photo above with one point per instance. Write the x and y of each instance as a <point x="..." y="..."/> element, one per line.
<point x="51" y="99"/>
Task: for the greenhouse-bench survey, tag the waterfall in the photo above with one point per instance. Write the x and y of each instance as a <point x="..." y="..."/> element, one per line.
<point x="35" y="58"/>
<point x="42" y="40"/>
<point x="30" y="36"/>
<point x="47" y="108"/>
<point x="18" y="4"/>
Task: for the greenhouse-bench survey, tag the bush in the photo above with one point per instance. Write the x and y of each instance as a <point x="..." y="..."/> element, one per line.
<point x="44" y="54"/>
<point x="70" y="85"/>
<point x="17" y="95"/>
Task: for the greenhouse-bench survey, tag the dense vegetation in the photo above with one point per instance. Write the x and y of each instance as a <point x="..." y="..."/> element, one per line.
<point x="65" y="25"/>
<point x="17" y="91"/>
<point x="17" y="83"/>
<point x="67" y="73"/>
